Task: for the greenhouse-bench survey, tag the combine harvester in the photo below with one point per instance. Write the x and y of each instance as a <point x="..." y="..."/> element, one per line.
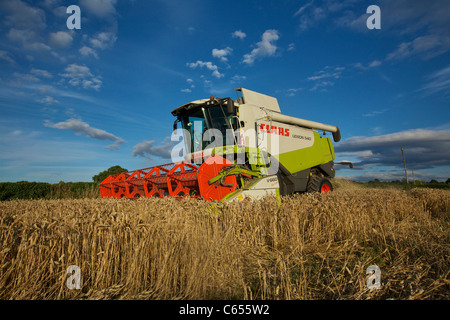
<point x="234" y="150"/>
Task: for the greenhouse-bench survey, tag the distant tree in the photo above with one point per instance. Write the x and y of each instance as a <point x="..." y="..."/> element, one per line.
<point x="448" y="181"/>
<point x="433" y="181"/>
<point x="104" y="174"/>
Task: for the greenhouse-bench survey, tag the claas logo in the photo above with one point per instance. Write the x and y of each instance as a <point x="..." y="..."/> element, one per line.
<point x="274" y="130"/>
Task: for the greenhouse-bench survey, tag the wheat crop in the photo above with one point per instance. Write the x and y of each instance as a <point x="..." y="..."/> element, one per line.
<point x="311" y="247"/>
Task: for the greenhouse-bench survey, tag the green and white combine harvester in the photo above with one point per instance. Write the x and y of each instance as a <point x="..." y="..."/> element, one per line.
<point x="236" y="149"/>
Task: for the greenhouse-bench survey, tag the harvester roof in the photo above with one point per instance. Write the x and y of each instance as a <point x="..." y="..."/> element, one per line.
<point x="189" y="106"/>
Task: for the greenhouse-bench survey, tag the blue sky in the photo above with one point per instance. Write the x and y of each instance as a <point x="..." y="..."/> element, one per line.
<point x="75" y="102"/>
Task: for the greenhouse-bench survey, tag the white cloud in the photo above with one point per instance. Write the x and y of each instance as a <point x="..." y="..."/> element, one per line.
<point x="424" y="148"/>
<point x="370" y="65"/>
<point x="426" y="47"/>
<point x="265" y="48"/>
<point x="18" y="35"/>
<point x="354" y="21"/>
<point x="307" y="20"/>
<point x="26" y="23"/>
<point x="6" y="56"/>
<point x="56" y="7"/>
<point x="16" y="132"/>
<point x="60" y="39"/>
<point x="99" y="8"/>
<point x="81" y="127"/>
<point x="327" y="72"/>
<point x="21" y="77"/>
<point x="222" y="53"/>
<point x="20" y="15"/>
<point x="325" y="77"/>
<point x="86" y="51"/>
<point x="303" y="8"/>
<point x="208" y="65"/>
<point x="81" y="76"/>
<point x="409" y="17"/>
<point x="321" y="85"/>
<point x="375" y="113"/>
<point x="360" y="154"/>
<point x="314" y="12"/>
<point x="438" y="82"/>
<point x="75" y="71"/>
<point x="374" y="63"/>
<point x="93" y="83"/>
<point x="191" y="83"/>
<point x="293" y="91"/>
<point x="238" y="78"/>
<point x="103" y="40"/>
<point x="41" y="73"/>
<point x="48" y="101"/>
<point x="28" y="38"/>
<point x="147" y="149"/>
<point x="186" y="90"/>
<point x="238" y="34"/>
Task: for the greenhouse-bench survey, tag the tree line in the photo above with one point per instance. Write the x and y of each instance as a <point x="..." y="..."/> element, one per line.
<point x="61" y="190"/>
<point x="411" y="184"/>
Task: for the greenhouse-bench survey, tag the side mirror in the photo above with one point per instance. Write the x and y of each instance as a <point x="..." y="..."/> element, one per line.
<point x="230" y="106"/>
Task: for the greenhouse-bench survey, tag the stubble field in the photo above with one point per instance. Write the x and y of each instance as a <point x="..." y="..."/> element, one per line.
<point x="311" y="247"/>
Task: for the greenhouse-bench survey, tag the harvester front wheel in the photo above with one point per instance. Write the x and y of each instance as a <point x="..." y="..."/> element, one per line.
<point x="319" y="184"/>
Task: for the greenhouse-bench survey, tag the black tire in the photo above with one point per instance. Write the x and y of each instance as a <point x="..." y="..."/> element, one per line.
<point x="319" y="184"/>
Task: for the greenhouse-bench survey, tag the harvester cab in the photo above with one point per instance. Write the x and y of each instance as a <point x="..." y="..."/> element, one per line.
<point x="236" y="149"/>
